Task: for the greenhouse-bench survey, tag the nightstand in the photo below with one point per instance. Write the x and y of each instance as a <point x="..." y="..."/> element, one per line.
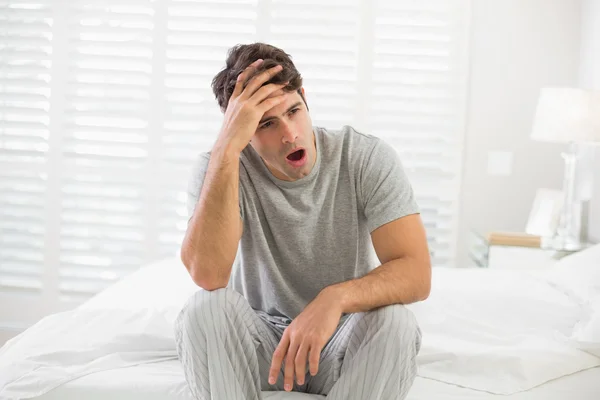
<point x="510" y="251"/>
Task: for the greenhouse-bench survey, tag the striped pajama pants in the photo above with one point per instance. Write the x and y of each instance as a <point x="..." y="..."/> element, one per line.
<point x="226" y="348"/>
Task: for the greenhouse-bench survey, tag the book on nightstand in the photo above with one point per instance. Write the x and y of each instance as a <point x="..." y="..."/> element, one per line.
<point x="514" y="239"/>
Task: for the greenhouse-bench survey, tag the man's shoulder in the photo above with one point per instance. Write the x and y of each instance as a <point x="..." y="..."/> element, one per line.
<point x="350" y="138"/>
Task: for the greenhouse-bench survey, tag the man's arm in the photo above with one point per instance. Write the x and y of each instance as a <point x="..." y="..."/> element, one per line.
<point x="404" y="276"/>
<point x="214" y="231"/>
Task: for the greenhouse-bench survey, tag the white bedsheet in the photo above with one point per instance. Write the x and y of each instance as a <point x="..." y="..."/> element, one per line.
<point x="165" y="381"/>
<point x="500" y="331"/>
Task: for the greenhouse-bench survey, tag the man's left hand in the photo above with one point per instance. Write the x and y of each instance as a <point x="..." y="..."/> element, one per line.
<point x="305" y="337"/>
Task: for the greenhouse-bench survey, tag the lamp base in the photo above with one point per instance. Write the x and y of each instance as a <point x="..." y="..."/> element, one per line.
<point x="558" y="243"/>
<point x="568" y="232"/>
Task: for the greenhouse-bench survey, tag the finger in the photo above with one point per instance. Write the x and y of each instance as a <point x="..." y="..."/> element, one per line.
<point x="315" y="355"/>
<point x="301" y="357"/>
<point x="271" y="102"/>
<point x="278" y="355"/>
<point x="258" y="80"/>
<point x="288" y="378"/>
<point x="270" y="90"/>
<point x="241" y="78"/>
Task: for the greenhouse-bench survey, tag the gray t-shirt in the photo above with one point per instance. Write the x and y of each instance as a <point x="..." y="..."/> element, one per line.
<point x="302" y="236"/>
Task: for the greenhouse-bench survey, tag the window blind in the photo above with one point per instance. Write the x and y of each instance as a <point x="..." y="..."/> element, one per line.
<point x="104" y="105"/>
<point x="26" y="51"/>
<point x="416" y="102"/>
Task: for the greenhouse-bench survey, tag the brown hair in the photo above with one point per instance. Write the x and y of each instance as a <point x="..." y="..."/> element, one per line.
<point x="242" y="55"/>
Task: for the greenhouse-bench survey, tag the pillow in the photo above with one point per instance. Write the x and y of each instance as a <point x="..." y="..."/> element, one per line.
<point x="498" y="330"/>
<point x="586" y="334"/>
<point x="163" y="286"/>
<point x="578" y="275"/>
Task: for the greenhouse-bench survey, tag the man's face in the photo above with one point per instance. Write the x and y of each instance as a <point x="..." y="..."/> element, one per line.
<point x="285" y="140"/>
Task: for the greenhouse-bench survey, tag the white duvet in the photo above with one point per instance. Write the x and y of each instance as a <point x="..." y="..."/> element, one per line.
<point x="499" y="331"/>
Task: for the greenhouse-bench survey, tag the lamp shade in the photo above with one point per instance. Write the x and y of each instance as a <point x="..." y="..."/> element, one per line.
<point x="567" y="115"/>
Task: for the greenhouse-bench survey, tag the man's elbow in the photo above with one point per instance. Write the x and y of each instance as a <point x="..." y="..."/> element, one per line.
<point x="201" y="277"/>
<point x="425" y="291"/>
<point x="205" y="280"/>
<point x="207" y="284"/>
<point x="425" y="286"/>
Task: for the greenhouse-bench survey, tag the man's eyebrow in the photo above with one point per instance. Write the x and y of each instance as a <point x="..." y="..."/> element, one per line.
<point x="287" y="111"/>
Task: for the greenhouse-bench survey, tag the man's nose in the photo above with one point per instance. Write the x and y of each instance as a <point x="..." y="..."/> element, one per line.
<point x="289" y="135"/>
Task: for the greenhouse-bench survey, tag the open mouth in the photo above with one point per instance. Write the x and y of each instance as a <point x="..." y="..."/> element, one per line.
<point x="296" y="156"/>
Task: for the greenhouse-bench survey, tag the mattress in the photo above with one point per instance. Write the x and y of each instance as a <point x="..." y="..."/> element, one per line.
<point x="165" y="381"/>
<point x="486" y="333"/>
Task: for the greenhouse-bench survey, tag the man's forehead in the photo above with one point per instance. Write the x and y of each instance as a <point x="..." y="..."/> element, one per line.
<point x="290" y="99"/>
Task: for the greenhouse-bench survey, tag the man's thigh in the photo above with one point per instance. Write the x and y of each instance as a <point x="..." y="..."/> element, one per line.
<point x="209" y="317"/>
<point x="357" y="332"/>
<point x="272" y="328"/>
<point x="332" y="357"/>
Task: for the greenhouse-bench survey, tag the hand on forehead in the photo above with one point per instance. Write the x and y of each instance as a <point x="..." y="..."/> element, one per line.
<point x="280" y="77"/>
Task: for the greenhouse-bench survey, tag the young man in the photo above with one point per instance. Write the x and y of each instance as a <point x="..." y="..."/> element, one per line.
<point x="284" y="218"/>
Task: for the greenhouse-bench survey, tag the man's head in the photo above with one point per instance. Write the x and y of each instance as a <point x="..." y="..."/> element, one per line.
<point x="284" y="128"/>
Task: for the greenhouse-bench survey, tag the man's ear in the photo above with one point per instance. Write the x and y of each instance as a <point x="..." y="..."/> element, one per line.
<point x="303" y="94"/>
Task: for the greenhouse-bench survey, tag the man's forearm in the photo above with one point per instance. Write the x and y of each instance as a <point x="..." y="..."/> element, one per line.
<point x="400" y="281"/>
<point x="210" y="245"/>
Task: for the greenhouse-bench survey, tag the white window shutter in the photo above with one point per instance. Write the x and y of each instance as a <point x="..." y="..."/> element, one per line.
<point x="105" y="143"/>
<point x="322" y="38"/>
<point x="417" y="104"/>
<point x="104" y="105"/>
<point x="198" y="35"/>
<point x="25" y="86"/>
<point x="25" y="62"/>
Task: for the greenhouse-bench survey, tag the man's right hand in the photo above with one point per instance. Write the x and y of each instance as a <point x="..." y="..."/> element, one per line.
<point x="247" y="106"/>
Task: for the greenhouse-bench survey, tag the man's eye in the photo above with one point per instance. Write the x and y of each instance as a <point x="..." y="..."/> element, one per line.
<point x="295" y="110"/>
<point x="266" y="125"/>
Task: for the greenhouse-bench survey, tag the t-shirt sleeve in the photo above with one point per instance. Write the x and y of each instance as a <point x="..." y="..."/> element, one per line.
<point x="385" y="189"/>
<point x="195" y="182"/>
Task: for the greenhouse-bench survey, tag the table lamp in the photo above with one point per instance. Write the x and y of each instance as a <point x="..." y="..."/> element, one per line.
<point x="568" y="115"/>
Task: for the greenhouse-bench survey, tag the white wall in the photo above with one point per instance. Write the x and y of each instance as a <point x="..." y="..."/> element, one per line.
<point x="594" y="221"/>
<point x="590" y="45"/>
<point x="517" y="47"/>
<point x="590" y="79"/>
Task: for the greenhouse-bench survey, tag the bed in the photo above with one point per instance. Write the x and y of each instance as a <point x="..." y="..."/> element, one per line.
<point x="516" y="334"/>
<point x="164" y="381"/>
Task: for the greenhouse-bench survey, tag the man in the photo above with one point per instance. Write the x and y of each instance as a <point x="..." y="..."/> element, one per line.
<point x="284" y="218"/>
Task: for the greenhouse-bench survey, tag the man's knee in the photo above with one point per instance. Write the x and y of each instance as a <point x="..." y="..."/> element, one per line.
<point x="399" y="324"/>
<point x="208" y="309"/>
